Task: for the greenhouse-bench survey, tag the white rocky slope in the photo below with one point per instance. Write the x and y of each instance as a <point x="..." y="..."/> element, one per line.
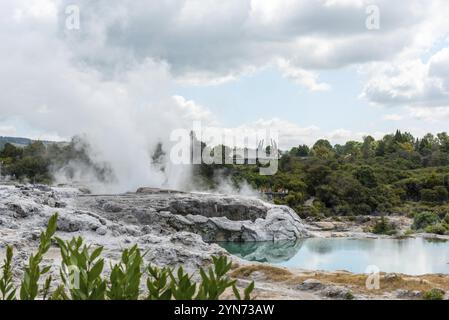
<point x="173" y="227"/>
<point x="214" y="217"/>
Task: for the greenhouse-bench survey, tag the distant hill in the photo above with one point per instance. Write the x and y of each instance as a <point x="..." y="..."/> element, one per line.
<point x="17" y="141"/>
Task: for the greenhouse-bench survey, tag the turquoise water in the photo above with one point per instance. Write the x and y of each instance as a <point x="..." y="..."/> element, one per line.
<point x="410" y="256"/>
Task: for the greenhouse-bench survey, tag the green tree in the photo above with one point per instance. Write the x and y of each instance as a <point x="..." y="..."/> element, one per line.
<point x="300" y="151"/>
<point x="322" y="149"/>
<point x="443" y="139"/>
<point x="441" y="193"/>
<point x="317" y="175"/>
<point x="429" y="195"/>
<point x="368" y="147"/>
<point x="11" y="151"/>
<point x="424" y="219"/>
<point x="365" y="175"/>
<point x="35" y="149"/>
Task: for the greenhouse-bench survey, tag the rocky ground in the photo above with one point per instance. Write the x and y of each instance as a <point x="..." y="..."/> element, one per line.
<point x="176" y="229"/>
<point x="359" y="227"/>
<point x="283" y="283"/>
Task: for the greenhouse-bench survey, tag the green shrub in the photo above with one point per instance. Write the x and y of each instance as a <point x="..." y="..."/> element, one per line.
<point x="365" y="175"/>
<point x="164" y="284"/>
<point x="81" y="270"/>
<point x="343" y="210"/>
<point x="294" y="199"/>
<point x="7" y="290"/>
<point x="438" y="228"/>
<point x="383" y="226"/>
<point x="424" y="219"/>
<point x="429" y="195"/>
<point x="446" y="218"/>
<point x="82" y="276"/>
<point x="362" y="209"/>
<point x="158" y="284"/>
<point x="433" y="294"/>
<point x="441" y="193"/>
<point x="29" y="288"/>
<point x="308" y="211"/>
<point x="125" y="277"/>
<point x="182" y="287"/>
<point x="349" y="296"/>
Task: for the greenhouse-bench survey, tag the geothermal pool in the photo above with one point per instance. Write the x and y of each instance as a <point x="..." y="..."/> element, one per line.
<point x="413" y="256"/>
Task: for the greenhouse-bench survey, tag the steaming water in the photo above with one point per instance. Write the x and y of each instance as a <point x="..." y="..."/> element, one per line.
<point x="409" y="256"/>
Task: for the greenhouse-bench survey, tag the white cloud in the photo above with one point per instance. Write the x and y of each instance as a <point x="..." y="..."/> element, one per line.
<point x="35" y="9"/>
<point x="194" y="112"/>
<point x="393" y="117"/>
<point x="418" y="74"/>
<point x="113" y="78"/>
<point x="410" y="82"/>
<point x="214" y="41"/>
<point x="436" y="114"/>
<point x="7" y="130"/>
<point x="290" y="134"/>
<point x="303" y="77"/>
<point x="343" y="135"/>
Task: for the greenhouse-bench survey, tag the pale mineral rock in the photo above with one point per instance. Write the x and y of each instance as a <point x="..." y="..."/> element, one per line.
<point x="175" y="228"/>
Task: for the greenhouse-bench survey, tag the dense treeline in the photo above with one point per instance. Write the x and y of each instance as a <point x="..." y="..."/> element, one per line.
<point x="38" y="161"/>
<point x="397" y="174"/>
<point x="30" y="162"/>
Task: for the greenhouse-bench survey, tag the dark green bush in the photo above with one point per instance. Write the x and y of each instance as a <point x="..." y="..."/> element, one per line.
<point x="429" y="195"/>
<point x="308" y="211"/>
<point x="424" y="219"/>
<point x="438" y="228"/>
<point x="383" y="226"/>
<point x="446" y="218"/>
<point x="442" y="194"/>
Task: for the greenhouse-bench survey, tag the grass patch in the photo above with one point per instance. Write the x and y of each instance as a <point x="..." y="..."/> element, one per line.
<point x="433" y="294"/>
<point x="357" y="282"/>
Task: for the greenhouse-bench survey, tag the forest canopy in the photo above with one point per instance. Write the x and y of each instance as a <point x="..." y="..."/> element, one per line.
<point x="396" y="174"/>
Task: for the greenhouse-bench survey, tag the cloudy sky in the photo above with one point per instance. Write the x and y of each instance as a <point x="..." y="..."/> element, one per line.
<point x="309" y="68"/>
